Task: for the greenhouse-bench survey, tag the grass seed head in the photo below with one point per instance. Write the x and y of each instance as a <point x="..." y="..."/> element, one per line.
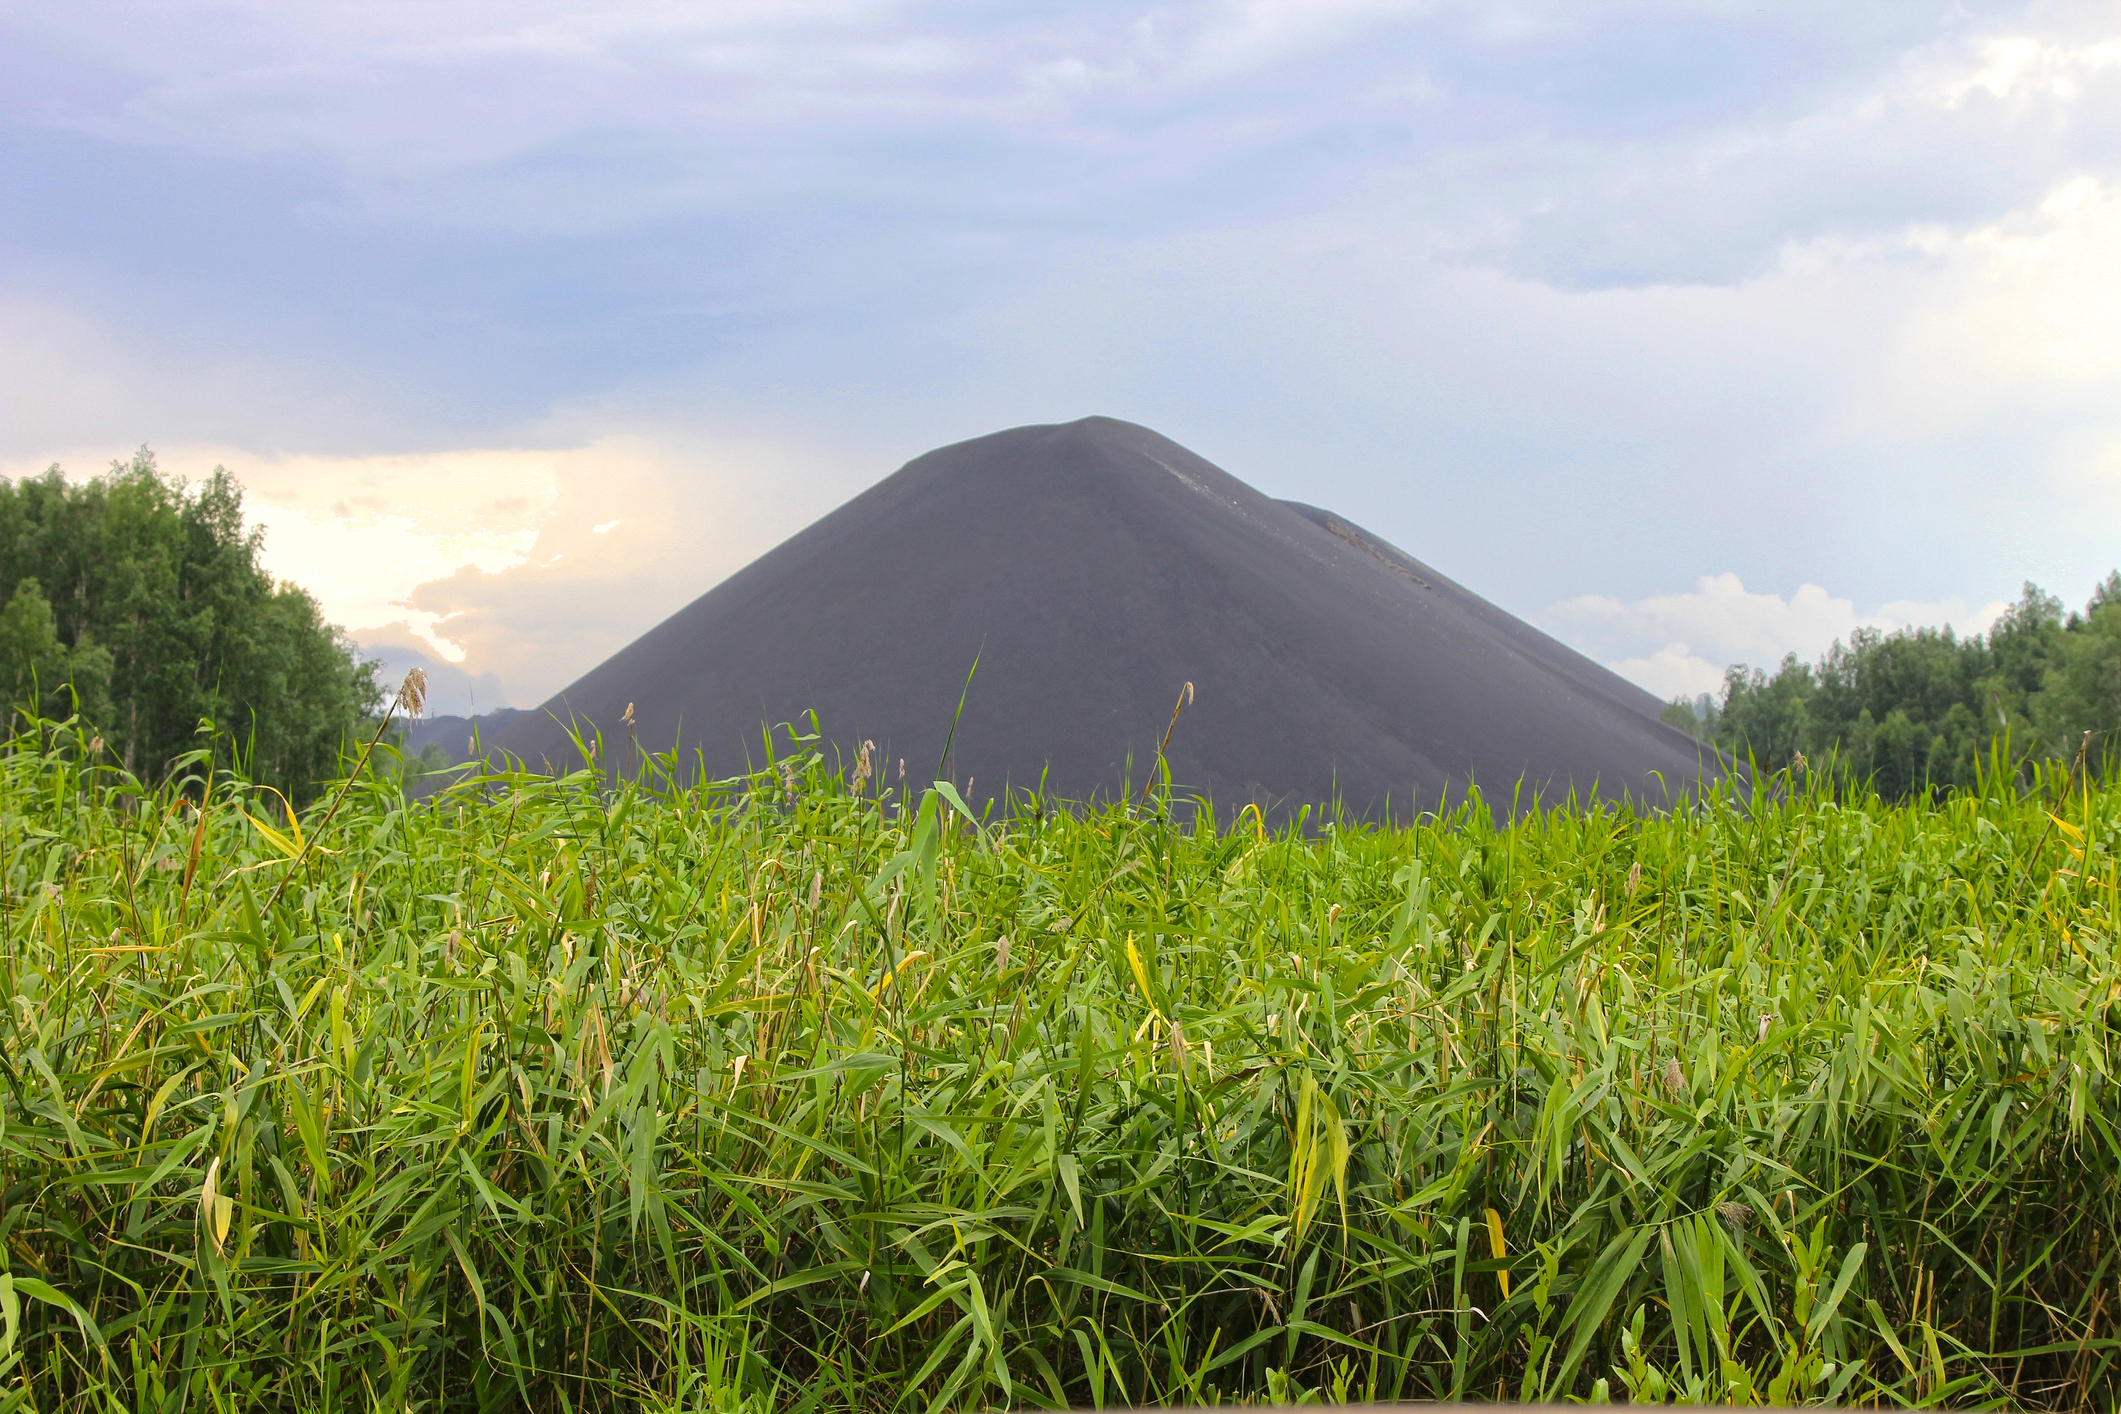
<point x="1674" y="1078"/>
<point x="412" y="693"/>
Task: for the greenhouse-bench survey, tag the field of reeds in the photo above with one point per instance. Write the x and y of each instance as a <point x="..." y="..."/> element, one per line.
<point x="787" y="1093"/>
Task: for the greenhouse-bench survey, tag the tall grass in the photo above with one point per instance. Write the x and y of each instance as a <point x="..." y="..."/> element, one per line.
<point x="773" y="1093"/>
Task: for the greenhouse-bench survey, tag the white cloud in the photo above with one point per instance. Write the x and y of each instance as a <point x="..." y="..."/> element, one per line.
<point x="1680" y="644"/>
<point x="2027" y="65"/>
<point x="1672" y="671"/>
<point x="2022" y="310"/>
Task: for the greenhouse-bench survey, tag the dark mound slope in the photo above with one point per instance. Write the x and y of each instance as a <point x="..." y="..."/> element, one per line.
<point x="1098" y="566"/>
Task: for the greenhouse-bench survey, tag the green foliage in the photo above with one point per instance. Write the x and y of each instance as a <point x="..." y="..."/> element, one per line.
<point x="2084" y="693"/>
<point x="1922" y="709"/>
<point x="767" y="1094"/>
<point x="1693" y="718"/>
<point x="47" y="677"/>
<point x="416" y="772"/>
<point x="143" y="599"/>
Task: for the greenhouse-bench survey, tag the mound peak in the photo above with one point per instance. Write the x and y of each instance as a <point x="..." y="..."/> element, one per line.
<point x="1092" y="568"/>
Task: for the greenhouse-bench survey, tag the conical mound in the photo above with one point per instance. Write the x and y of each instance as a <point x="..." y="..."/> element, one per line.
<point x="1092" y="568"/>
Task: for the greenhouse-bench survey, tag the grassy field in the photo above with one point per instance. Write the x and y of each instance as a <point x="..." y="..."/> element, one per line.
<point x="778" y="1094"/>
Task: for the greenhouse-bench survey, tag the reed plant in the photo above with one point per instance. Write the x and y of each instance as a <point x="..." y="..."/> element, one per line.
<point x="797" y="1092"/>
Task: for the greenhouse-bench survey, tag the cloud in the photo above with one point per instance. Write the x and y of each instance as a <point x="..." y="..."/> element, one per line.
<point x="65" y="368"/>
<point x="386" y="87"/>
<point x="451" y="691"/>
<point x="84" y="378"/>
<point x="2092" y="474"/>
<point x="1961" y="130"/>
<point x="635" y="528"/>
<point x="1672" y="671"/>
<point x="1691" y="638"/>
<point x="1238" y="37"/>
<point x="1860" y="414"/>
<point x="2020" y="311"/>
<point x="362" y="533"/>
<point x="2025" y="66"/>
<point x="1665" y="141"/>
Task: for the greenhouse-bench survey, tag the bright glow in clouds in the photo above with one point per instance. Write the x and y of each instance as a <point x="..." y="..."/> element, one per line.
<point x="1677" y="645"/>
<point x="632" y="530"/>
<point x="491" y="560"/>
<point x="362" y="534"/>
<point x="2021" y="64"/>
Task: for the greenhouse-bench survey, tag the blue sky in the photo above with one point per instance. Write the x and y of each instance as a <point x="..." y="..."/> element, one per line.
<point x="1695" y="333"/>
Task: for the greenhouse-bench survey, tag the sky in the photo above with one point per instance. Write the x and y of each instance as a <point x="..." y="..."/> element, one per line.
<point x="1694" y="333"/>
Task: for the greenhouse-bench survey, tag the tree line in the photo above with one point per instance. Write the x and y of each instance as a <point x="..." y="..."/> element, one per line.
<point x="138" y="603"/>
<point x="1920" y="709"/>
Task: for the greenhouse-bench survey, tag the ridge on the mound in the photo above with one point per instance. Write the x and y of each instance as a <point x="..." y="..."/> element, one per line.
<point x="1093" y="567"/>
